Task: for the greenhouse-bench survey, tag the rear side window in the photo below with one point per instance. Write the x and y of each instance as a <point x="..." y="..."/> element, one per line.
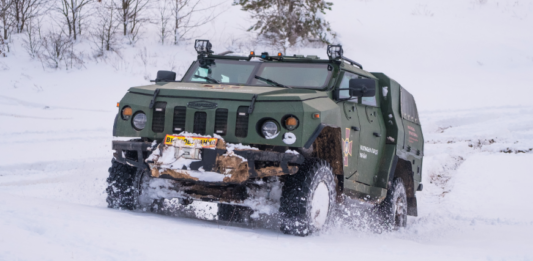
<point x="408" y="107"/>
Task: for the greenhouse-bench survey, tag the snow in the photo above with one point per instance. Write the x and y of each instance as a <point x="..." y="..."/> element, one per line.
<point x="207" y="176"/>
<point x="468" y="64"/>
<point x="292" y="152"/>
<point x="289" y="138"/>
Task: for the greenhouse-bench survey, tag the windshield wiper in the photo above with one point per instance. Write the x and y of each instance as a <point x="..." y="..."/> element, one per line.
<point x="206" y="78"/>
<point x="272" y="82"/>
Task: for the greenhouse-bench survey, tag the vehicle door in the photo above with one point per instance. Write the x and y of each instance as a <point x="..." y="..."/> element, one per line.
<point x="372" y="139"/>
<point x="350" y="130"/>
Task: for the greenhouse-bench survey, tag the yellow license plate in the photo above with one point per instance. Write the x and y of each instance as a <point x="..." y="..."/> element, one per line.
<point x="191" y="141"/>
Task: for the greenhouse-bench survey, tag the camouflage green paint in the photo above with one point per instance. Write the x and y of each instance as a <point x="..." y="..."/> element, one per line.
<point x="371" y="175"/>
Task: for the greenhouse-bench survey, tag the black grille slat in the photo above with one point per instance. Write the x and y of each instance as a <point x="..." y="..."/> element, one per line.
<point x="178" y="123"/>
<point x="200" y="121"/>
<point x="158" y="120"/>
<point x="241" y="126"/>
<point x="221" y="122"/>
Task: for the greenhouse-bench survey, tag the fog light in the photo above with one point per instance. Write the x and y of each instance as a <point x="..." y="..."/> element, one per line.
<point x="291" y="123"/>
<point x="126" y="113"/>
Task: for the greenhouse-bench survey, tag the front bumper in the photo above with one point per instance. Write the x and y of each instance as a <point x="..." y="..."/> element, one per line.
<point x="134" y="154"/>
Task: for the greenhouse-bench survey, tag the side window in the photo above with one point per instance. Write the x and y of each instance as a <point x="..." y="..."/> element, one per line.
<point x="369" y="101"/>
<point x="343" y="94"/>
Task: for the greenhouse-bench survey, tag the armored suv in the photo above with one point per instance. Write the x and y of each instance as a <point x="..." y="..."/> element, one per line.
<point x="297" y="132"/>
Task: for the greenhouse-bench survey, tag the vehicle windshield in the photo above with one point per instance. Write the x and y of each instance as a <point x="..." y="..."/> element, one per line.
<point x="296" y="75"/>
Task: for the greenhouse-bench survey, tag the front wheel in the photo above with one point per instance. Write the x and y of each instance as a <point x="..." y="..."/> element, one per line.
<point x="128" y="188"/>
<point x="120" y="186"/>
<point x="308" y="199"/>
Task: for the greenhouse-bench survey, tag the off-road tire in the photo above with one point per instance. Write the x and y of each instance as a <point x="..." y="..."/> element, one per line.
<point x="297" y="196"/>
<point x="120" y="189"/>
<point x="393" y="210"/>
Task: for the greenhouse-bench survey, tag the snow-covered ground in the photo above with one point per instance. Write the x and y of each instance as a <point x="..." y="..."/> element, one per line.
<point x="468" y="63"/>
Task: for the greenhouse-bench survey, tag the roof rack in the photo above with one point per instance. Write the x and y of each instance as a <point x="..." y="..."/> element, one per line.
<point x="335" y="52"/>
<point x="352" y="62"/>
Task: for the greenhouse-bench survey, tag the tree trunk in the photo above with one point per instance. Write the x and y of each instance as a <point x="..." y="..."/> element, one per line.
<point x="176" y="26"/>
<point x="125" y="16"/>
<point x="74" y="26"/>
<point x="290" y="34"/>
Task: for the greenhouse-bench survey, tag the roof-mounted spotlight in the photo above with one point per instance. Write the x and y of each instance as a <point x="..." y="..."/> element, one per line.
<point x="335" y="52"/>
<point x="203" y="47"/>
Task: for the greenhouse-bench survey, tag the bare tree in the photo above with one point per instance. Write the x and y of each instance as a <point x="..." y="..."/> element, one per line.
<point x="58" y="51"/>
<point x="32" y="43"/>
<point x="132" y="16"/>
<point x="3" y="47"/>
<point x="23" y="10"/>
<point x="163" y="19"/>
<point x="5" y="17"/>
<point x="55" y="48"/>
<point x="72" y="11"/>
<point x="184" y="20"/>
<point x="104" y="33"/>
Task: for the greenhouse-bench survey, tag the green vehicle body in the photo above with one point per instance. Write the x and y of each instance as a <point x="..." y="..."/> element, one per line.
<point x="367" y="145"/>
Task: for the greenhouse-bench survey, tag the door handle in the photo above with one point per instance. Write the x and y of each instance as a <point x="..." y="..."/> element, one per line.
<point x="355" y="128"/>
<point x="377" y="134"/>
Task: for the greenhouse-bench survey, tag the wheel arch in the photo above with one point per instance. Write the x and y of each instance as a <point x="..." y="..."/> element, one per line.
<point x="327" y="146"/>
<point x="404" y="170"/>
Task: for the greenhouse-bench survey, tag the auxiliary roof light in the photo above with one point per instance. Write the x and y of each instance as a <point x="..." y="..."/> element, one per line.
<point x="335" y="52"/>
<point x="264" y="55"/>
<point x="203" y="46"/>
<point x="252" y="53"/>
<point x="280" y="54"/>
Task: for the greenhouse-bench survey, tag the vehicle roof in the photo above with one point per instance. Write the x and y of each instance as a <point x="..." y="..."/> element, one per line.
<point x="300" y="59"/>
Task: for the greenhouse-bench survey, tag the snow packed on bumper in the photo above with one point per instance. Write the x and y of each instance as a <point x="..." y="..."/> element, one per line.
<point x="170" y="160"/>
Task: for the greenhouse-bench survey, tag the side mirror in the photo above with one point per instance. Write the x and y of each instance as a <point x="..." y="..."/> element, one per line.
<point x="362" y="87"/>
<point x="165" y="76"/>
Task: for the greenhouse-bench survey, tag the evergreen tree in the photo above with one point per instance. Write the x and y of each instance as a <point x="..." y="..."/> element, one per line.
<point x="287" y="23"/>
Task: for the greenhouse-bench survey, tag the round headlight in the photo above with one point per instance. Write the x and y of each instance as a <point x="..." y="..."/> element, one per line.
<point x="270" y="130"/>
<point x="126" y="113"/>
<point x="139" y="121"/>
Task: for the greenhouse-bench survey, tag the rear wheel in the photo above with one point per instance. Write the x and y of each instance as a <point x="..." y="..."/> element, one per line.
<point x="393" y="210"/>
<point x="308" y="198"/>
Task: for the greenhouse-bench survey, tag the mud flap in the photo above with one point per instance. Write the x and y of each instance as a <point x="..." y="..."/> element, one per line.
<point x="412" y="209"/>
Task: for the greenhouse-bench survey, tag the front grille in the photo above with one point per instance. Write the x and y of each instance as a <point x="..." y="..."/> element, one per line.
<point x="200" y="120"/>
<point x="241" y="126"/>
<point x="178" y="123"/>
<point x="221" y="122"/>
<point x="158" y="121"/>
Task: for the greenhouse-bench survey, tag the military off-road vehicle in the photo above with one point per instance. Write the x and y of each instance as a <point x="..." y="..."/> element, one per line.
<point x="298" y="132"/>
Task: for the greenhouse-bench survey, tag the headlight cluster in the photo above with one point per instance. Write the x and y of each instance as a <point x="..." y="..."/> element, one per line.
<point x="270" y="128"/>
<point x="139" y="119"/>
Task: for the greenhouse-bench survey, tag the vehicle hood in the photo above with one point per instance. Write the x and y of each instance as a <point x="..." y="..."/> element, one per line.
<point x="226" y="91"/>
